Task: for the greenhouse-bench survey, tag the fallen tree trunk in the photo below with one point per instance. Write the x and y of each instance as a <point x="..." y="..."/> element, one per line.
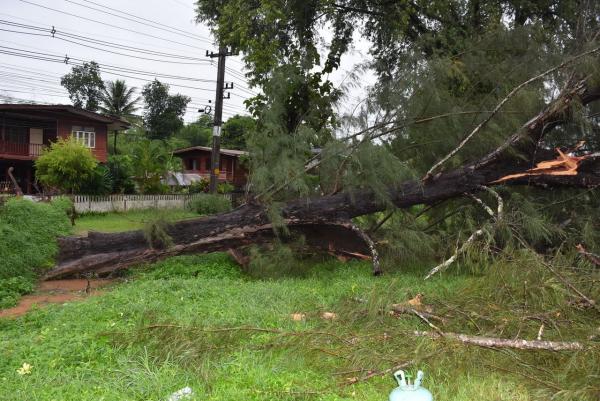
<point x="325" y="221"/>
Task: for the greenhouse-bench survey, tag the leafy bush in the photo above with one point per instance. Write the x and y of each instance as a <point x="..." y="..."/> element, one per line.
<point x="199" y="186"/>
<point x="67" y="165"/>
<point x="28" y="232"/>
<point x="99" y="183"/>
<point x="210" y="204"/>
<point x="121" y="171"/>
<point x="224" y="187"/>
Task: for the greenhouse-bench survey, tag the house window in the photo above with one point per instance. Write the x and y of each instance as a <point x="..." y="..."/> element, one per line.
<point x="84" y="135"/>
<point x="16" y="134"/>
<point x="207" y="164"/>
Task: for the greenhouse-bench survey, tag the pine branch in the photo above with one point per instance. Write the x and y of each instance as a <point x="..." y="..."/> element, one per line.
<point x="501" y="104"/>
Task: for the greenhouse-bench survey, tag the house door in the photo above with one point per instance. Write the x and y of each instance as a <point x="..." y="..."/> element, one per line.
<point x="36" y="140"/>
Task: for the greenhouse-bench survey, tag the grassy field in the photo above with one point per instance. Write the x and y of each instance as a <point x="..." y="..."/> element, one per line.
<point x="198" y="321"/>
<point x="113" y="222"/>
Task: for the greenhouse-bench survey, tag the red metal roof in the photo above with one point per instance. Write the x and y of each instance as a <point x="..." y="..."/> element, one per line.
<point x="228" y="152"/>
<point x="114" y="122"/>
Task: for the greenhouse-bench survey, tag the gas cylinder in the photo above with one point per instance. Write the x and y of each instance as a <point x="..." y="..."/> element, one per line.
<point x="409" y="392"/>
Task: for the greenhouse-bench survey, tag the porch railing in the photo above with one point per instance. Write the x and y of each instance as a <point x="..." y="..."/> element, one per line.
<point x="223" y="175"/>
<point x="21" y="149"/>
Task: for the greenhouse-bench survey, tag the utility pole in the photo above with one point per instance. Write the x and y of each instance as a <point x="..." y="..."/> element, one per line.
<point x="218" y="116"/>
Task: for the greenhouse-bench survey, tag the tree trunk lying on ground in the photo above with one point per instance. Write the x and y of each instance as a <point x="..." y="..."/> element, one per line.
<point x="326" y="221"/>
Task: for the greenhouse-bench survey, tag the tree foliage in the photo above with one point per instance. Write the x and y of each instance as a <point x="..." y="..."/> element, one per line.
<point x="198" y="133"/>
<point x="85" y="86"/>
<point x="119" y="100"/>
<point x="236" y="130"/>
<point x="163" y="113"/>
<point x="151" y="160"/>
<point x="67" y="165"/>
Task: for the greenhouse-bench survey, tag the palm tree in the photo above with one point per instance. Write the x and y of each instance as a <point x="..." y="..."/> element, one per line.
<point x="119" y="101"/>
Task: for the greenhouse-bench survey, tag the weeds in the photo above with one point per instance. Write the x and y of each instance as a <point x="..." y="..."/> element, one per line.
<point x="210" y="204"/>
<point x="28" y="233"/>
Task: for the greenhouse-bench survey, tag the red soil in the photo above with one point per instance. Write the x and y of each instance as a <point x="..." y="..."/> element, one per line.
<point x="55" y="292"/>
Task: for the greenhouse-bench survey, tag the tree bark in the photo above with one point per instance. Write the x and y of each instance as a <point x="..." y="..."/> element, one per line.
<point x="492" y="342"/>
<point x="325" y="221"/>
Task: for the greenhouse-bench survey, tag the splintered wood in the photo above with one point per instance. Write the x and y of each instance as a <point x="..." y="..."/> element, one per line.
<point x="564" y="164"/>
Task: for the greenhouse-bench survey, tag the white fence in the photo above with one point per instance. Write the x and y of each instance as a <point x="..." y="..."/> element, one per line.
<point x="123" y="203"/>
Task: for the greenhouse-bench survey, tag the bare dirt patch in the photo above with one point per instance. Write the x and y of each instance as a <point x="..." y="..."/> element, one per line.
<point x="56" y="292"/>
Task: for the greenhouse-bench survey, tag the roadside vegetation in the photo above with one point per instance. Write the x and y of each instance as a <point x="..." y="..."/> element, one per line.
<point x="28" y="231"/>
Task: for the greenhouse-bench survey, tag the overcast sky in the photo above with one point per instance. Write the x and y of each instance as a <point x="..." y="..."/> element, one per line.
<point x="166" y="41"/>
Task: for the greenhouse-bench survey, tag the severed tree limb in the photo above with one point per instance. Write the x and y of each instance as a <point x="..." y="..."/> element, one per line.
<point x="497" y="216"/>
<point x="369" y="242"/>
<point x="444" y="265"/>
<point x="492" y="342"/>
<point x="403" y="309"/>
<point x="501" y="104"/>
<point x="485" y="207"/>
<point x="590" y="302"/>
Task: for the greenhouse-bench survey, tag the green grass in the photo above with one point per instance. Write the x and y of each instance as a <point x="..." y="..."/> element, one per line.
<point x="133" y="220"/>
<point x="151" y="335"/>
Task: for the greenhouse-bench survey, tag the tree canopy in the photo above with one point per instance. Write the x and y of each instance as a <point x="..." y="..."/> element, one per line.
<point x="163" y="112"/>
<point x="84" y="85"/>
<point x="236" y="130"/>
<point x="119" y="100"/>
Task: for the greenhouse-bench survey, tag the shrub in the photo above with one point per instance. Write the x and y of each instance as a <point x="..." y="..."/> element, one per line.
<point x="28" y="232"/>
<point x="99" y="183"/>
<point x="67" y="165"/>
<point x="199" y="186"/>
<point x="121" y="171"/>
<point x="224" y="187"/>
<point x="210" y="204"/>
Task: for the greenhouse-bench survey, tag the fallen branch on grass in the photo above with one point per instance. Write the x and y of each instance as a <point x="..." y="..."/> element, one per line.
<point x="492" y="342"/>
<point x="402" y="309"/>
<point x="444" y="265"/>
<point x="593" y="258"/>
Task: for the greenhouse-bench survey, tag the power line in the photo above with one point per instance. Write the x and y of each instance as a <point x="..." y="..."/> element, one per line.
<point x="110" y="67"/>
<point x="56" y="79"/>
<point x="55" y="34"/>
<point x="96" y="34"/>
<point x="182" y="32"/>
<point x="107" y="70"/>
<point x="126" y="69"/>
<point x="111" y="25"/>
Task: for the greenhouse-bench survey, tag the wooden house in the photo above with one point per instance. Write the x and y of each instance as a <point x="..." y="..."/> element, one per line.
<point x="25" y="129"/>
<point x="196" y="160"/>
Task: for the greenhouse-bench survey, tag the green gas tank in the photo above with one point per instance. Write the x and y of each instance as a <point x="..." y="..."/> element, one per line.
<point x="409" y="392"/>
